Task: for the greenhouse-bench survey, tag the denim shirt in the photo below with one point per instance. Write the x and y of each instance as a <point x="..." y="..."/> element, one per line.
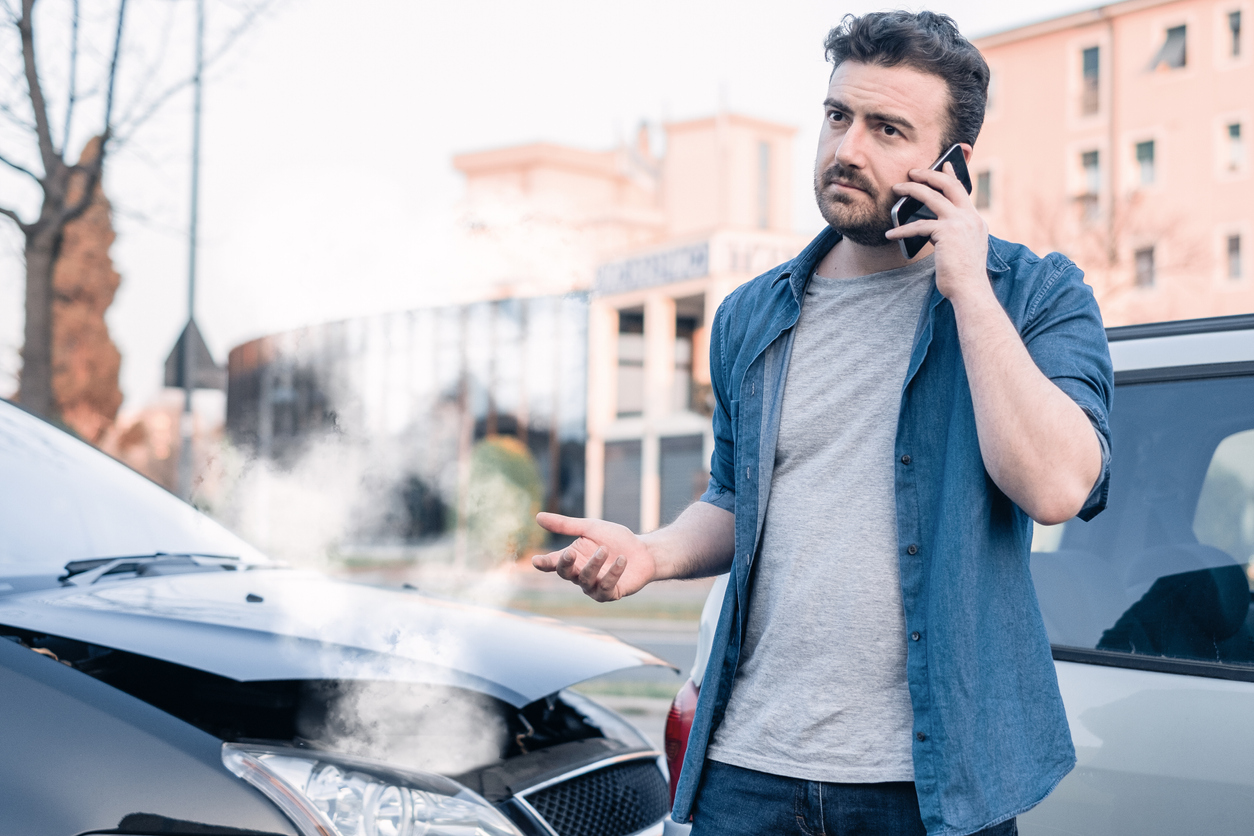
<point x="991" y="738"/>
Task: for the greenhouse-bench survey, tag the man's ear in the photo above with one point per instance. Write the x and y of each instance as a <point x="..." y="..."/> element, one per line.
<point x="966" y="151"/>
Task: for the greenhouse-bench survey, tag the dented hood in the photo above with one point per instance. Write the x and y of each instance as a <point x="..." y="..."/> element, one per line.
<point x="278" y="624"/>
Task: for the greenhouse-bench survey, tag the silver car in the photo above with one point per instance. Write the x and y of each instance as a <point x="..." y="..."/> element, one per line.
<point x="1149" y="605"/>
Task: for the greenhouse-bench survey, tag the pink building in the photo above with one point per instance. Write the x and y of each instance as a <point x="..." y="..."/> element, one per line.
<point x="1120" y="136"/>
<point x="657" y="239"/>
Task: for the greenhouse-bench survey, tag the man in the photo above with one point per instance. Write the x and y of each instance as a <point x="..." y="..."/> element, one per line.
<point x="885" y="433"/>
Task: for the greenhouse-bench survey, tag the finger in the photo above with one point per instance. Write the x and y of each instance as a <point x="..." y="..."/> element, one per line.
<point x="546" y="562"/>
<point x="605" y="587"/>
<point x="946" y="181"/>
<point x="559" y="524"/>
<point x="588" y="575"/>
<point x="928" y="196"/>
<point x="566" y="565"/>
<point x="916" y="229"/>
<point x="955" y="191"/>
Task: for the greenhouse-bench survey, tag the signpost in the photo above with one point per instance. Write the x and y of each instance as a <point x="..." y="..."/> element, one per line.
<point x="187" y="375"/>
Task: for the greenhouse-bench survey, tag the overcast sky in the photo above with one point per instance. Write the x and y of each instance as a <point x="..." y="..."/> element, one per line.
<point x="327" y="185"/>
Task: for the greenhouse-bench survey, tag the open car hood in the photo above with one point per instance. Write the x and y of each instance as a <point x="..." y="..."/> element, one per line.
<point x="308" y="626"/>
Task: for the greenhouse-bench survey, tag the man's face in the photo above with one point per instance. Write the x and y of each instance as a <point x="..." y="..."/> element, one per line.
<point x="879" y="122"/>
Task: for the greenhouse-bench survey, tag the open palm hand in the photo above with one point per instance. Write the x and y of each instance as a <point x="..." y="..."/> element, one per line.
<point x="607" y="561"/>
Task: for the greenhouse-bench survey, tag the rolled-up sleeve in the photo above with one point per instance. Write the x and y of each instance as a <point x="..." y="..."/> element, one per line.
<point x="721" y="491"/>
<point x="1067" y="341"/>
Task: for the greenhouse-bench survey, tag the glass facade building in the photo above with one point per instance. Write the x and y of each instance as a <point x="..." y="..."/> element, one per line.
<point x="416" y="392"/>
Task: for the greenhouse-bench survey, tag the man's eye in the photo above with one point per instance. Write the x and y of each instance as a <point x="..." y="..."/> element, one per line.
<point x="890" y="130"/>
<point x="836" y="116"/>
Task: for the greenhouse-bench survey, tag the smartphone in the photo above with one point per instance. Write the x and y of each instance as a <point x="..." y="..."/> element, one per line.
<point x="909" y="209"/>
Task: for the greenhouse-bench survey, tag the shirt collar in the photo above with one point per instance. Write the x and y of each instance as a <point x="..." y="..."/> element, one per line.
<point x="797" y="272"/>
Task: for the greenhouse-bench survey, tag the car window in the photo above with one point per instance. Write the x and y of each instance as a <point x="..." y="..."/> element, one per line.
<point x="62" y="500"/>
<point x="1165" y="570"/>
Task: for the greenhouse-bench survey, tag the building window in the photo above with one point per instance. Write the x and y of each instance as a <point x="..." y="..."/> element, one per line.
<point x="684" y="329"/>
<point x="1236" y="149"/>
<point x="764" y="185"/>
<point x="1234" y="31"/>
<point x="682" y="474"/>
<point x="1144" y="259"/>
<point x="621" y="500"/>
<point x="630" y="364"/>
<point x="1234" y="256"/>
<point x="1145" y="161"/>
<point x="1090" y="162"/>
<point x="1173" y="52"/>
<point x="1089" y="96"/>
<point x="984" y="190"/>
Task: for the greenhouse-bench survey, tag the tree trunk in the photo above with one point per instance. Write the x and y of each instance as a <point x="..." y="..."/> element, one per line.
<point x="36" y="380"/>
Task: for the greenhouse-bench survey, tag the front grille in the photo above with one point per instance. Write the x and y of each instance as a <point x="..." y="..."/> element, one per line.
<point x="613" y="801"/>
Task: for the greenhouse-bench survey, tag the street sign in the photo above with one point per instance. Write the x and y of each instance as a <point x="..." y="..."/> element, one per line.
<point x="205" y="373"/>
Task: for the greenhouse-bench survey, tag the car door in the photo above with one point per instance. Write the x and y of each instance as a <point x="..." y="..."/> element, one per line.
<point x="1148" y="607"/>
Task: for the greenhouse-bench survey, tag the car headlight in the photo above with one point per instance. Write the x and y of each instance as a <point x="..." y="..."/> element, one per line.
<point x="329" y="795"/>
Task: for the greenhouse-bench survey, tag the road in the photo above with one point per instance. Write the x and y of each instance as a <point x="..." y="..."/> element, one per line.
<point x="643" y="695"/>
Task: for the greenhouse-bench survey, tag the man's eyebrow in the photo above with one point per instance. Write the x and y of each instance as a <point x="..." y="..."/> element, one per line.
<point x="890" y="118"/>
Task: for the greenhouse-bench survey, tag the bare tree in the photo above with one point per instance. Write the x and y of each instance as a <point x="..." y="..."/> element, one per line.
<point x="1103" y="242"/>
<point x="43" y="236"/>
<point x="53" y="173"/>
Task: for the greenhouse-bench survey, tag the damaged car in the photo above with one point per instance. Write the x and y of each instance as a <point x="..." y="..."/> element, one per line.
<point x="158" y="675"/>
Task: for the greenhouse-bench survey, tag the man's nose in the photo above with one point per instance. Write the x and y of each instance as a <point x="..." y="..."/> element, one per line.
<point x="852" y="149"/>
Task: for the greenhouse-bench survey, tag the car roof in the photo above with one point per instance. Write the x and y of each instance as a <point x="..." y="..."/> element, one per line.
<point x="1183" y="342"/>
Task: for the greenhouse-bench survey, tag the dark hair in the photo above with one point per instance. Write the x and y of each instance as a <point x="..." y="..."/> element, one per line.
<point x="928" y="42"/>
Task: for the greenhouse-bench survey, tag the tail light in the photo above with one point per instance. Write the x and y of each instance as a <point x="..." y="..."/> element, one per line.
<point x="678" y="726"/>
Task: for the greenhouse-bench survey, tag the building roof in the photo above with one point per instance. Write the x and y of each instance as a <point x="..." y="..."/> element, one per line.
<point x="1071" y="21"/>
<point x="537" y="154"/>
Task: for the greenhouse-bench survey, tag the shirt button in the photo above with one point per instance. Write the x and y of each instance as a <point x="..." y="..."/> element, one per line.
<point x="914" y="637"/>
<point x="905" y="459"/>
<point x="921" y="736"/>
<point x="912" y="549"/>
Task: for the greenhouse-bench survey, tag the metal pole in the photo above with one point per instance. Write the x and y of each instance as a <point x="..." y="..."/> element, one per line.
<point x="186" y="422"/>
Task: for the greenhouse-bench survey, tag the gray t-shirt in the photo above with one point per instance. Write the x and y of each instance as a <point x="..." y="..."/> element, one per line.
<point x="820" y="693"/>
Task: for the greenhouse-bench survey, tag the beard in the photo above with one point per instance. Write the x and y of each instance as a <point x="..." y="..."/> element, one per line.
<point x="863" y="220"/>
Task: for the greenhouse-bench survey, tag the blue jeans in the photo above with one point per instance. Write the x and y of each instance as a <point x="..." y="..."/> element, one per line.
<point x="733" y="801"/>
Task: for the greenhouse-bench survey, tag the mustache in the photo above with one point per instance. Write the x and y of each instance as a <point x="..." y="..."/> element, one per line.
<point x="845" y="176"/>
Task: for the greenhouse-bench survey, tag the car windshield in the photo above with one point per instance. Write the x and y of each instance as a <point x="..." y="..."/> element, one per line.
<point x="1166" y="569"/>
<point x="61" y="501"/>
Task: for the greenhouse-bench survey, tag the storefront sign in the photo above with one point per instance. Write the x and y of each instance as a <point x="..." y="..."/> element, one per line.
<point x="691" y="262"/>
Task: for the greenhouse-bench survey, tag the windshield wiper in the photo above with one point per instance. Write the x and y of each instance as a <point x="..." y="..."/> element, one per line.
<point x="87" y="572"/>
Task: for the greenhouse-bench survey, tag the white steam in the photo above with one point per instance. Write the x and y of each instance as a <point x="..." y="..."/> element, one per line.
<point x="440" y="730"/>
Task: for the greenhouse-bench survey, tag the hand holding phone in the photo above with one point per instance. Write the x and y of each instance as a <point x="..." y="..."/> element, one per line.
<point x="909" y="209"/>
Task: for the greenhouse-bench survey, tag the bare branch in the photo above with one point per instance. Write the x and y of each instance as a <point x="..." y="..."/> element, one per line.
<point x="113" y="74"/>
<point x="131" y="125"/>
<point x="91" y="173"/>
<point x="32" y="175"/>
<point x="42" y="130"/>
<point x="147" y="78"/>
<point x="17" y="118"/>
<point x="70" y="99"/>
<point x="121" y="210"/>
<point x="9" y="213"/>
<point x="94" y="168"/>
